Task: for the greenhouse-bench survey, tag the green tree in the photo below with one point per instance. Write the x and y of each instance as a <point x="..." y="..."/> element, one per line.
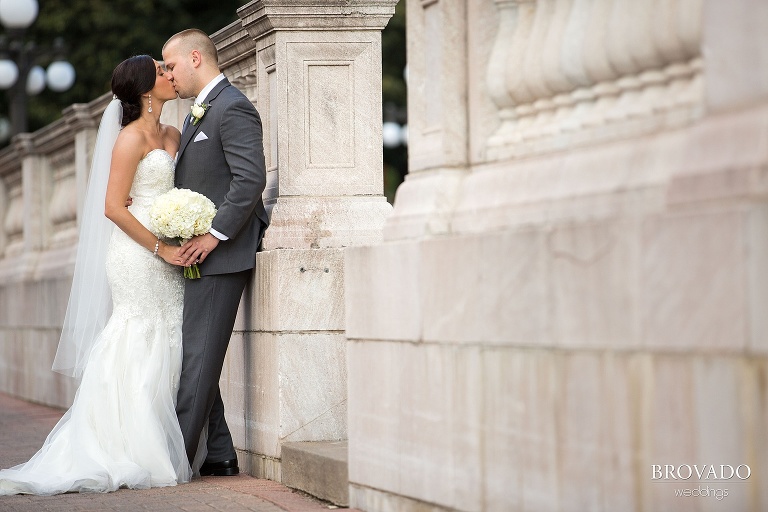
<point x="101" y="33"/>
<point x="394" y="96"/>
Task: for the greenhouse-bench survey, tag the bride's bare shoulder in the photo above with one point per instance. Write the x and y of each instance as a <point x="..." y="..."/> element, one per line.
<point x="131" y="143"/>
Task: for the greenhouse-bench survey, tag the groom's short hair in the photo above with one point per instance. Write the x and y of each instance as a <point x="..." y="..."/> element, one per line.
<point x="195" y="39"/>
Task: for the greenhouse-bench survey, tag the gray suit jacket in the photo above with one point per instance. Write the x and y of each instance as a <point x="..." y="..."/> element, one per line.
<point x="228" y="167"/>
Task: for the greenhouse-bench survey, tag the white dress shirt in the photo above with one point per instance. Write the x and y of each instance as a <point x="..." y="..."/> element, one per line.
<point x="208" y="88"/>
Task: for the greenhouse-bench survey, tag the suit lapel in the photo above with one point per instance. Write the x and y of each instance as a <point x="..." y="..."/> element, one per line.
<point x="191" y="129"/>
<point x="186" y="135"/>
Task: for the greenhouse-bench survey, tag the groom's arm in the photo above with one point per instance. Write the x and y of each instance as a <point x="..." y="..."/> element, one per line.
<point x="241" y="139"/>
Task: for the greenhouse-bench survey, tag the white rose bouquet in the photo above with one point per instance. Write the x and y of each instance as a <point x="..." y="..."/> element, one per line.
<point x="181" y="214"/>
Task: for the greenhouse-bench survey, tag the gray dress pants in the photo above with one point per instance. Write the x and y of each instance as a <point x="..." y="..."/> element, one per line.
<point x="210" y="308"/>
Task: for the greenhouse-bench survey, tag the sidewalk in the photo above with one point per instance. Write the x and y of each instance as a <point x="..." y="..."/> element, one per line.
<point x="24" y="426"/>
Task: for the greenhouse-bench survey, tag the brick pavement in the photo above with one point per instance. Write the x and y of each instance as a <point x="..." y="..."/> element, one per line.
<point x="24" y="426"/>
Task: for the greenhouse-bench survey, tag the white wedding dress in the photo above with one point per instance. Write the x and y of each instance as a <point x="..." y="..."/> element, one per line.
<point x="121" y="430"/>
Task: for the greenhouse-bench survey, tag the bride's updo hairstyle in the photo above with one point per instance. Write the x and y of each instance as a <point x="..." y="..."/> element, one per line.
<point x="130" y="79"/>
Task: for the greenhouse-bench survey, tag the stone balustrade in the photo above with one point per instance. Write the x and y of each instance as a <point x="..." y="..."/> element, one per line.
<point x="572" y="284"/>
<point x="564" y="72"/>
<point x="38" y="215"/>
<point x="43" y="179"/>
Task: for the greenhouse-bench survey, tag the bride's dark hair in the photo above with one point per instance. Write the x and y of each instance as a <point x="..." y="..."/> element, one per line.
<point x="130" y="79"/>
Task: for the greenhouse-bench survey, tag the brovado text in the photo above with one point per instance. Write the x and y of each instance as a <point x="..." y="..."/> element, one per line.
<point x="701" y="472"/>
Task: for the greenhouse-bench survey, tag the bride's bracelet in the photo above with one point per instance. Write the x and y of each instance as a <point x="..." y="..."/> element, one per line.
<point x="157" y="247"/>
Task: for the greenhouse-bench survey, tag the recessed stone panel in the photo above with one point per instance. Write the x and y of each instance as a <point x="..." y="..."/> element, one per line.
<point x="333" y="144"/>
<point x="329" y="114"/>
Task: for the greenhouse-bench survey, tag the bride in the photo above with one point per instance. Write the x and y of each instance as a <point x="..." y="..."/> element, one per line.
<point x="122" y="331"/>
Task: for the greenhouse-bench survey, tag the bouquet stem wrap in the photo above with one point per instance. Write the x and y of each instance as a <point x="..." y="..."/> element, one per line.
<point x="192" y="271"/>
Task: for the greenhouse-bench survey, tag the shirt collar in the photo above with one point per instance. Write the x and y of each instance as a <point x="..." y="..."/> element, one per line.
<point x="208" y="88"/>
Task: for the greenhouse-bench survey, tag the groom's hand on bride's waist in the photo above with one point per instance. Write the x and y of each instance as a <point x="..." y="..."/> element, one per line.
<point x="198" y="248"/>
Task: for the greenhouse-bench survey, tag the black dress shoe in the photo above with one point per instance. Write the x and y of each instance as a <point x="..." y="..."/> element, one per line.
<point x="223" y="468"/>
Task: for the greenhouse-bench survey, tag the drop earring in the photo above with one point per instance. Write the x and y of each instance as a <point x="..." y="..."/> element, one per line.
<point x="150" y="103"/>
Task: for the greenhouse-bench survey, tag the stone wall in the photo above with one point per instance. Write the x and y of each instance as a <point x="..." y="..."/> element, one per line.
<point x="573" y="282"/>
<point x="43" y="179"/>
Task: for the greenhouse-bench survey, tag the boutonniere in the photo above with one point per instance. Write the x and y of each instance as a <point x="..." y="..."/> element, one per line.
<point x="198" y="111"/>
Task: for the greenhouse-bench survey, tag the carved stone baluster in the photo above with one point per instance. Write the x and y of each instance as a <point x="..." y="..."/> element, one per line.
<point x="495" y="77"/>
<point x="574" y="66"/>
<point x="515" y="78"/>
<point x="687" y="80"/>
<point x="598" y="65"/>
<point x="62" y="207"/>
<point x="82" y="122"/>
<point x="574" y="42"/>
<point x="647" y="56"/>
<point x="552" y="65"/>
<point x="533" y="70"/>
<point x="689" y="24"/>
<point x="665" y="35"/>
<point x="551" y="55"/>
<point x="35" y="192"/>
<point x="508" y="91"/>
<point x="248" y="85"/>
<point x="668" y="44"/>
<point x="640" y="35"/>
<point x="13" y="223"/>
<point x="620" y="53"/>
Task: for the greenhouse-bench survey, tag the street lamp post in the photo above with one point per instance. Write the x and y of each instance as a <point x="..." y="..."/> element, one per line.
<point x="18" y="72"/>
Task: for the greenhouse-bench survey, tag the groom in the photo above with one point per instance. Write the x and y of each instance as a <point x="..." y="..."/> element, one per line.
<point x="221" y="155"/>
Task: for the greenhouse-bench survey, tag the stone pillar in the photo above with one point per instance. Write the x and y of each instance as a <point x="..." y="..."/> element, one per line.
<point x="322" y="62"/>
<point x="80" y="120"/>
<point x="36" y="188"/>
<point x="27" y="223"/>
<point x="315" y="76"/>
<point x="437" y="119"/>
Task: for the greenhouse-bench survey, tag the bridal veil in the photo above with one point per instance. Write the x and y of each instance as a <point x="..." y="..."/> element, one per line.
<point x="90" y="301"/>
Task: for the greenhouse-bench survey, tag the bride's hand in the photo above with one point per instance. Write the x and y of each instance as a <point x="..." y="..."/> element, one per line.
<point x="170" y="254"/>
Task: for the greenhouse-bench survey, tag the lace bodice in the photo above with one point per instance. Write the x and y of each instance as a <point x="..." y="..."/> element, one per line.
<point x="143" y="284"/>
<point x="154" y="176"/>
